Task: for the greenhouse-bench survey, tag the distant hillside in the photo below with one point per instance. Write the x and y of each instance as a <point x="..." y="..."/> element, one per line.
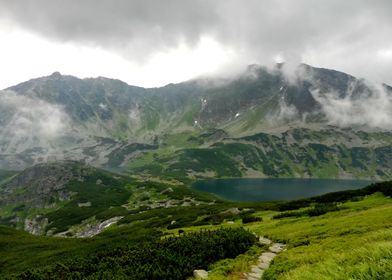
<point x="297" y="152"/>
<point x="69" y="198"/>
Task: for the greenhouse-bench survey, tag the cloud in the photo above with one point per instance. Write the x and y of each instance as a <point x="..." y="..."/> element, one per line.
<point x="135" y="28"/>
<point x="365" y="109"/>
<point x="26" y="121"/>
<point x="339" y="34"/>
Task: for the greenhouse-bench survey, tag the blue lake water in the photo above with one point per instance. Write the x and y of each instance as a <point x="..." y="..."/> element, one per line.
<point x="275" y="189"/>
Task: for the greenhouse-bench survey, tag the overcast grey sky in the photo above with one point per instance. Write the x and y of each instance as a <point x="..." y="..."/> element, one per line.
<point x="152" y="43"/>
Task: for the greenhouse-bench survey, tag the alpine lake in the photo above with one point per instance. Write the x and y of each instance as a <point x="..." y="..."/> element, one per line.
<point x="250" y="189"/>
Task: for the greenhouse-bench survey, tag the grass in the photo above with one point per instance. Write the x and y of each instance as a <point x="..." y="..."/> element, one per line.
<point x="354" y="243"/>
<point x="234" y="268"/>
<point x="349" y="238"/>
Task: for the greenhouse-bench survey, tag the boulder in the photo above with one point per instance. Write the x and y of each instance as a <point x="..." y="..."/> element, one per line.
<point x="200" y="274"/>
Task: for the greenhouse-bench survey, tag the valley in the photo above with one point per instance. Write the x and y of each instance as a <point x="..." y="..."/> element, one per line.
<point x="195" y="140"/>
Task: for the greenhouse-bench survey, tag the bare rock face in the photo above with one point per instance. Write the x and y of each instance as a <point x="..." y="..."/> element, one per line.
<point x="200" y="274"/>
<point x="39" y="186"/>
<point x="36" y="226"/>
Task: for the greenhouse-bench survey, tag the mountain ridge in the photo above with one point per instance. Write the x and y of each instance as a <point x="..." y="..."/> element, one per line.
<point x="110" y="124"/>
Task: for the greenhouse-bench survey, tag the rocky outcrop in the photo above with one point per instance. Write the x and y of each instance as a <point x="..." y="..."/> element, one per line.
<point x="39" y="186"/>
<point x="90" y="229"/>
<point x="36" y="225"/>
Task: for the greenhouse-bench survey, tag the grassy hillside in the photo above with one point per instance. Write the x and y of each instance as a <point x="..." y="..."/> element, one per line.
<point x="349" y="241"/>
<point x="352" y="243"/>
<point x="344" y="235"/>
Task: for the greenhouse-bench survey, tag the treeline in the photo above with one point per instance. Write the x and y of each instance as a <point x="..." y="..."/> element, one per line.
<point x="170" y="258"/>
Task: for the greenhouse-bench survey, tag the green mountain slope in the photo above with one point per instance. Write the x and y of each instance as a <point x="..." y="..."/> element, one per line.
<point x="107" y="123"/>
<point x="327" y="152"/>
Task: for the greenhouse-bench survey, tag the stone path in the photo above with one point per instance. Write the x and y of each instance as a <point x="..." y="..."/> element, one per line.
<point x="265" y="259"/>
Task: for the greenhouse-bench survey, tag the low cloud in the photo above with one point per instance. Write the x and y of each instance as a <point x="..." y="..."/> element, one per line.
<point x="362" y="110"/>
<point x="26" y="120"/>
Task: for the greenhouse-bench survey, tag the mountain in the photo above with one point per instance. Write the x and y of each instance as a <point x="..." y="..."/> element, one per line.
<point x="99" y="158"/>
<point x="110" y="124"/>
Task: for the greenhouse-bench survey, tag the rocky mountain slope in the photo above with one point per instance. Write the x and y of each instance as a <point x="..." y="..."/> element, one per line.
<point x="110" y="124"/>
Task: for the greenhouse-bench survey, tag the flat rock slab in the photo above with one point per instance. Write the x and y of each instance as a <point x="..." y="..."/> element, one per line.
<point x="269" y="255"/>
<point x="263" y="265"/>
<point x="256" y="270"/>
<point x="256" y="275"/>
<point x="277" y="247"/>
<point x="265" y="241"/>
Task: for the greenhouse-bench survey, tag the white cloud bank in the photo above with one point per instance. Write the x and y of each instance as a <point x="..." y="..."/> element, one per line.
<point x="27" y="121"/>
<point x="374" y="110"/>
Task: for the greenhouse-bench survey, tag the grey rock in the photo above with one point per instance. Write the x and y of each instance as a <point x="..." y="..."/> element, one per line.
<point x="84" y="204"/>
<point x="265" y="241"/>
<point x="277" y="247"/>
<point x="200" y="274"/>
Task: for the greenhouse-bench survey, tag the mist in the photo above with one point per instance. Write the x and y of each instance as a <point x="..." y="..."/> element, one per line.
<point x="374" y="110"/>
<point x="26" y="120"/>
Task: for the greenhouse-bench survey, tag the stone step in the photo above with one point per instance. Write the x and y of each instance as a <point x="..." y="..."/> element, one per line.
<point x="256" y="275"/>
<point x="265" y="241"/>
<point x="265" y="259"/>
<point x="264" y="265"/>
<point x="277" y="247"/>
<point x="256" y="269"/>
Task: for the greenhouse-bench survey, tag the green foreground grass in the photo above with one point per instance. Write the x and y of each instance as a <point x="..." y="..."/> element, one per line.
<point x="352" y="240"/>
<point x="352" y="243"/>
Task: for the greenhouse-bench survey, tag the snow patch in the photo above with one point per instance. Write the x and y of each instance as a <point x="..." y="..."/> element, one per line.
<point x="103" y="106"/>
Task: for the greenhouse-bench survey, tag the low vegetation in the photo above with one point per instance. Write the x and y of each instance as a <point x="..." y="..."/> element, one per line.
<point x="332" y="236"/>
<point x="170" y="258"/>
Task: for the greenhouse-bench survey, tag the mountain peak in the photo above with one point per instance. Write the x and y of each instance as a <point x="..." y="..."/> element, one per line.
<point x="56" y="75"/>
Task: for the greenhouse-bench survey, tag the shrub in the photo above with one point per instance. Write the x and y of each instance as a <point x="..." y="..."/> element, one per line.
<point x="170" y="258"/>
<point x="321" y="209"/>
<point x="288" y="214"/>
<point x="251" y="219"/>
